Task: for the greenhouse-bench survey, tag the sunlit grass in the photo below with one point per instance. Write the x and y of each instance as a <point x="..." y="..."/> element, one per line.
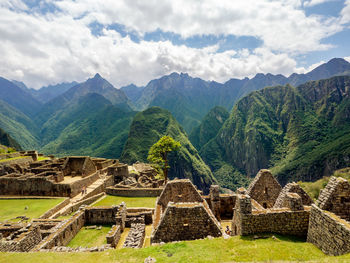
<point x="32" y="208"/>
<point x="110" y="200"/>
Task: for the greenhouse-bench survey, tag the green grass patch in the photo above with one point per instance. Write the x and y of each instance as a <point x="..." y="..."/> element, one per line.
<point x="241" y="249"/>
<point x="90" y="237"/>
<point x="42" y="158"/>
<point x="130" y="201"/>
<point x="11" y="208"/>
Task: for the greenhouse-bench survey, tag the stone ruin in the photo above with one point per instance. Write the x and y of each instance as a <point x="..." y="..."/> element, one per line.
<point x="264" y="189"/>
<point x="266" y="207"/>
<point x="182" y="214"/>
<point x="55" y="177"/>
<point x="329" y="227"/>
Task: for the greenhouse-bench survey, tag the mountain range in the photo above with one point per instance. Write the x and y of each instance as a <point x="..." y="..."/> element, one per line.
<point x="298" y="130"/>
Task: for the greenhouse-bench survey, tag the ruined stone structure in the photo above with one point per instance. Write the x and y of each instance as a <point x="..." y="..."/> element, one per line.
<point x="265" y="207"/>
<point x="329" y="227"/>
<point x="182" y="214"/>
<point x="292" y="188"/>
<point x="58" y="177"/>
<point x="264" y="189"/>
<point x="249" y="219"/>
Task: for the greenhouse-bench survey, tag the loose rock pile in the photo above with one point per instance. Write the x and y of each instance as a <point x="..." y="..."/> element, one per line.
<point x="136" y="236"/>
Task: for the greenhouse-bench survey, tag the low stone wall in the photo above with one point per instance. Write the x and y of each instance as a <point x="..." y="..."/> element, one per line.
<point x="24" y="242"/>
<point x="113" y="235"/>
<point x="86" y="201"/>
<point x="9" y="155"/>
<point x="328" y="232"/>
<point x="136" y="236"/>
<point x="55" y="209"/>
<point x="63" y="232"/>
<point x="22" y="160"/>
<point x="40" y="186"/>
<point x="134" y="192"/>
<point x="147" y="213"/>
<point x="103" y="215"/>
<point x="281" y="221"/>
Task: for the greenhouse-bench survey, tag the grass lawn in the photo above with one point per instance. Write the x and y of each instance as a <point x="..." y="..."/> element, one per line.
<point x="11" y="208"/>
<point x="215" y="250"/>
<point x="130" y="201"/>
<point x="90" y="237"/>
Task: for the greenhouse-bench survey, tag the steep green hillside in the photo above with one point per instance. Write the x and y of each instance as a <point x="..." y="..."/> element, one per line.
<point x="7" y="140"/>
<point x="91" y="126"/>
<point x="146" y="129"/>
<point x="18" y="98"/>
<point x="18" y="126"/>
<point x="209" y="127"/>
<point x="300" y="133"/>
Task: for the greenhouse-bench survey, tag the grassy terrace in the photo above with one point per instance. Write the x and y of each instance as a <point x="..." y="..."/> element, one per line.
<point x="216" y="250"/>
<point x="90" y="237"/>
<point x="11" y="208"/>
<point x="10" y="159"/>
<point x="130" y="201"/>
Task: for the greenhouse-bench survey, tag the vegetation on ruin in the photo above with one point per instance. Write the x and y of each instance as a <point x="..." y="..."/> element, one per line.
<point x="158" y="154"/>
<point x="13" y="158"/>
<point x="90" y="237"/>
<point x="110" y="200"/>
<point x="297" y="135"/>
<point x="314" y="188"/>
<point x="235" y="249"/>
<point x="29" y="207"/>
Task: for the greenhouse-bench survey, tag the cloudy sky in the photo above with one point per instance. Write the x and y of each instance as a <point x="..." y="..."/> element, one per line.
<point x="133" y="41"/>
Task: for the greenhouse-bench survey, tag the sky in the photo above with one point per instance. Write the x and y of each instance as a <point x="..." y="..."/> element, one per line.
<point x="46" y="42"/>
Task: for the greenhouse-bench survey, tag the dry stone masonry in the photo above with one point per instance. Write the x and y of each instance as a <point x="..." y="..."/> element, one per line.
<point x="329" y="227"/>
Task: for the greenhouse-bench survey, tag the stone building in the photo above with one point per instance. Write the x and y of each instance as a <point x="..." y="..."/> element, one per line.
<point x="292" y="188"/>
<point x="266" y="207"/>
<point x="329" y="227"/>
<point x="182" y="214"/>
<point x="264" y="189"/>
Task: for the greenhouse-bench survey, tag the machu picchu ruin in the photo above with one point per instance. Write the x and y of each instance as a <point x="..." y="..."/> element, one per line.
<point x="180" y="212"/>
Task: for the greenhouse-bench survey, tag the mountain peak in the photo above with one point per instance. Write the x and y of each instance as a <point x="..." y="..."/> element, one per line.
<point x="97" y="76"/>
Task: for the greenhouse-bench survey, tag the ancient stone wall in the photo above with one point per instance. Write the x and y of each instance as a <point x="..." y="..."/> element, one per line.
<point x="336" y="197"/>
<point x="185" y="221"/>
<point x="134" y="192"/>
<point x="22" y="160"/>
<point x="280" y="221"/>
<point x="101" y="215"/>
<point x="179" y="191"/>
<point x="85" y="201"/>
<point x="264" y="189"/>
<point x="63" y="233"/>
<point x="114" y="235"/>
<point x="40" y="186"/>
<point x="292" y="188"/>
<point x="328" y="232"/>
<point x="24" y="242"/>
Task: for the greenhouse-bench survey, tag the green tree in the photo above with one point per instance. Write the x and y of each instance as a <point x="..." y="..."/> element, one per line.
<point x="158" y="154"/>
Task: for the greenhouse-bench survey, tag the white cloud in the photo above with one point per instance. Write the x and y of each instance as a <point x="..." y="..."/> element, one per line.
<point x="345" y="13"/>
<point x="45" y="49"/>
<point x="282" y="25"/>
<point x="347" y="59"/>
<point x="310" y="3"/>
